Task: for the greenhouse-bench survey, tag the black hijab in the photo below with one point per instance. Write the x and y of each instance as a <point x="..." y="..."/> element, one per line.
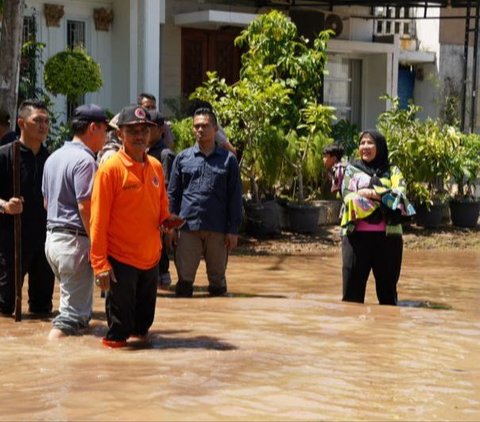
<point x="380" y="164"/>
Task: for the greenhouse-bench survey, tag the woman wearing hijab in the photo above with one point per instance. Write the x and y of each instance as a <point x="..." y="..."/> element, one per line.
<point x="373" y="193"/>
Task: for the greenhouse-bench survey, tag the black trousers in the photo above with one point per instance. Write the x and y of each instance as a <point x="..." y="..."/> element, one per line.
<point x="363" y="252"/>
<point x="130" y="302"/>
<point x="40" y="281"/>
<point x="164" y="264"/>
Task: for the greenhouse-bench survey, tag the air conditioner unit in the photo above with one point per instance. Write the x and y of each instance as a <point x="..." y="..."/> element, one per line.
<point x="335" y="23"/>
<point x="311" y="22"/>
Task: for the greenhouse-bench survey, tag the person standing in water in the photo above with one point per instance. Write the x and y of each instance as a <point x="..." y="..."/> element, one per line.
<point x="373" y="194"/>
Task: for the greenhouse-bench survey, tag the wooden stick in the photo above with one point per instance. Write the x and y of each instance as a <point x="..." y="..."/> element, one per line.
<point x="17" y="232"/>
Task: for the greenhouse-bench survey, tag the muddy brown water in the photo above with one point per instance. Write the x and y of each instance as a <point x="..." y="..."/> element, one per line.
<point x="281" y="347"/>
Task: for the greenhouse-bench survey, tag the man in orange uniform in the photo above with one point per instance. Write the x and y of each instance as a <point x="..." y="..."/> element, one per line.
<point x="129" y="204"/>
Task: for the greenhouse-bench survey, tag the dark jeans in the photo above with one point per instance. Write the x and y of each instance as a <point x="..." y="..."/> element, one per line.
<point x="40" y="281"/>
<point x="365" y="251"/>
<point x="130" y="302"/>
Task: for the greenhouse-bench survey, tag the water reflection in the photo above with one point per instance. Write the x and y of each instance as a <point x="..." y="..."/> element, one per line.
<point x="281" y="347"/>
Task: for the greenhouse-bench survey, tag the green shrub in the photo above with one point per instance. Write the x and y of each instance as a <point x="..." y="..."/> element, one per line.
<point x="346" y="134"/>
<point x="183" y="133"/>
<point x="267" y="110"/>
<point x="466" y="164"/>
<point x="423" y="150"/>
<point x="72" y="73"/>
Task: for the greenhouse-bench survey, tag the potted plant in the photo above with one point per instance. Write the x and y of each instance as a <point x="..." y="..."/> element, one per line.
<point x="436" y="144"/>
<point x="423" y="151"/>
<point x="280" y="75"/>
<point x="464" y="206"/>
<point x="273" y="43"/>
<point x="304" y="157"/>
<point x="249" y="111"/>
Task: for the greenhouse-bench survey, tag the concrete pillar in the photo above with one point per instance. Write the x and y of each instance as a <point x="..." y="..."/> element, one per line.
<point x="151" y="43"/>
<point x="134" y="48"/>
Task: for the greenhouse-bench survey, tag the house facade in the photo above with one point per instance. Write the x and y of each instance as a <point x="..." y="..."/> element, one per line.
<point x="166" y="46"/>
<point x="359" y="71"/>
<point x="123" y="36"/>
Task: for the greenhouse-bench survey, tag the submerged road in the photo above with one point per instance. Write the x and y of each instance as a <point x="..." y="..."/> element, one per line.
<point x="281" y="346"/>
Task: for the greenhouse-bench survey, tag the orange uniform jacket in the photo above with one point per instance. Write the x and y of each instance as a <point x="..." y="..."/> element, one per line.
<point x="129" y="203"/>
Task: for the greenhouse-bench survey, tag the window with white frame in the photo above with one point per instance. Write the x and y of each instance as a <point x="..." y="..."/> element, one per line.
<point x="343" y="88"/>
<point x="75" y="38"/>
<point x="394" y="20"/>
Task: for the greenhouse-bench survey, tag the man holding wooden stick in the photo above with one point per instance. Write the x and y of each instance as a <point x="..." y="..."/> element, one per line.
<point x="33" y="120"/>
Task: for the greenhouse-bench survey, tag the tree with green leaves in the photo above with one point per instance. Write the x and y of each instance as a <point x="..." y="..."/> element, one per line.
<point x="248" y="108"/>
<point x="270" y="108"/>
<point x="423" y="150"/>
<point x="72" y="73"/>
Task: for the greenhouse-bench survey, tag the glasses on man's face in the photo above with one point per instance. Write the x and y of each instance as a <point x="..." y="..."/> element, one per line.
<point x="136" y="131"/>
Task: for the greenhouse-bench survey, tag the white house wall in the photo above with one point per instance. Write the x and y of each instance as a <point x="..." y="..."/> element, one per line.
<point x="135" y="51"/>
<point x="142" y="51"/>
<point x="55" y="38"/>
<point x="151" y="38"/>
<point x="120" y="55"/>
<point x="171" y="62"/>
<point x="427" y="30"/>
<point x="437" y="80"/>
<point x="376" y="84"/>
<point x="426" y="92"/>
<point x="361" y="30"/>
<point x="451" y="75"/>
<point x="128" y="54"/>
<point x="380" y="73"/>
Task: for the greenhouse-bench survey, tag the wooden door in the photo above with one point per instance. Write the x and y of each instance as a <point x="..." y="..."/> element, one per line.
<point x="208" y="50"/>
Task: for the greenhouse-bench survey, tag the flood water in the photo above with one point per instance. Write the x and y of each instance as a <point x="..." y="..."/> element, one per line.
<point x="281" y="347"/>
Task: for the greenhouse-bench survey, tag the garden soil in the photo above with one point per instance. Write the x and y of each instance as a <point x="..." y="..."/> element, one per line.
<point x="328" y="237"/>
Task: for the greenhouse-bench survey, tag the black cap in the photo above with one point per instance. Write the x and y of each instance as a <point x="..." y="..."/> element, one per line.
<point x="89" y="113"/>
<point x="156" y="117"/>
<point x="133" y="115"/>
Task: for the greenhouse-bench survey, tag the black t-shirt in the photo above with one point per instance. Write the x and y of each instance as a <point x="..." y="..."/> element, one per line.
<point x="8" y="138"/>
<point x="34" y="216"/>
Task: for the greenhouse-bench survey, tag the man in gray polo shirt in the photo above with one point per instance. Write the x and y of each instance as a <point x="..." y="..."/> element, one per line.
<point x="67" y="187"/>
